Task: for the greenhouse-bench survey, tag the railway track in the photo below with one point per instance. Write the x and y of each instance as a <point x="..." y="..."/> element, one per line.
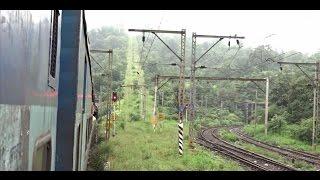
<point x="289" y="153"/>
<point x="210" y="139"/>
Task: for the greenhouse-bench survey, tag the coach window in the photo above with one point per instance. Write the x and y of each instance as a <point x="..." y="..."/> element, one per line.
<point x="53" y="49"/>
<point x="42" y="155"/>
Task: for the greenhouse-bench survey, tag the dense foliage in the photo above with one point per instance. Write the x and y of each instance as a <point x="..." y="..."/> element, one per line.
<point x="217" y="102"/>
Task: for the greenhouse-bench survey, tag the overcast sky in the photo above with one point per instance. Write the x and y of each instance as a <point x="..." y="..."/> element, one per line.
<point x="293" y="30"/>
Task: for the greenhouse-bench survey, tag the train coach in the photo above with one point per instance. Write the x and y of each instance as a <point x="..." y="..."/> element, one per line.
<point x="46" y="90"/>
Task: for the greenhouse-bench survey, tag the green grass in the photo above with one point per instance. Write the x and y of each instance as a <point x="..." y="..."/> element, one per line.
<point x="283" y="139"/>
<point x="137" y="147"/>
<point x="301" y="165"/>
<point x="228" y="136"/>
<point x="231" y="137"/>
<point x="99" y="153"/>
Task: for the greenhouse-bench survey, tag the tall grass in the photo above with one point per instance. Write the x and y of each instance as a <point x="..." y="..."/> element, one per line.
<point x="231" y="137"/>
<point x="283" y="139"/>
<point x="137" y="147"/>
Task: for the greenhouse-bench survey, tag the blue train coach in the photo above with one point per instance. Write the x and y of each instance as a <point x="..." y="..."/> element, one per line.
<point x="46" y="90"/>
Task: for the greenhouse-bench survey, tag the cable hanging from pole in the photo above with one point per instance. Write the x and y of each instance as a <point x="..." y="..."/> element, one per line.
<point x="146" y="57"/>
<point x="144" y="40"/>
<point x="233" y="57"/>
<point x="98" y="63"/>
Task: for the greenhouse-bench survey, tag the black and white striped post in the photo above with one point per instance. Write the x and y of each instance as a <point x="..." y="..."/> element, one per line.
<point x="180" y="125"/>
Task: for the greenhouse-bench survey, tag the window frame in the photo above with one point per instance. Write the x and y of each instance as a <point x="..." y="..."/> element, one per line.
<point x="54" y="34"/>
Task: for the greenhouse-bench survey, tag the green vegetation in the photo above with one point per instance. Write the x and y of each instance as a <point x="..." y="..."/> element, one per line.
<point x="139" y="148"/>
<point x="227" y="135"/>
<point x="99" y="153"/>
<point x="290" y="92"/>
<point x="217" y="117"/>
<point x="278" y="122"/>
<point x="136" y="146"/>
<point x="218" y="102"/>
<point x="231" y="137"/>
<point x="287" y="139"/>
<point x="275" y="156"/>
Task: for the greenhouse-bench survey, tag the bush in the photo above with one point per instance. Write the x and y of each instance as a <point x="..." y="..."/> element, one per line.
<point x="134" y="117"/>
<point x="103" y="109"/>
<point x="217" y="117"/>
<point x="304" y="131"/>
<point x="233" y="117"/>
<point x="225" y="122"/>
<point x="291" y="130"/>
<point x="274" y="110"/>
<point x="225" y="134"/>
<point x="237" y="123"/>
<point x="278" y="122"/>
<point x="252" y="129"/>
<point x="122" y="125"/>
<point x="222" y="113"/>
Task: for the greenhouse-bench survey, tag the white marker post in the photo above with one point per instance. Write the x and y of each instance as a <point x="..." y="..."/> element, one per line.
<point x="180" y="125"/>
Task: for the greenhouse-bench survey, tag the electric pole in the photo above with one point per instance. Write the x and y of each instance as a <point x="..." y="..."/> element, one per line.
<point x="181" y="73"/>
<point x="266" y="108"/>
<point x="108" y="88"/>
<point x="144" y="105"/>
<point x="255" y="111"/>
<point x="316" y="108"/>
<point x="155" y="99"/>
<point x="192" y="76"/>
<point x="162" y="98"/>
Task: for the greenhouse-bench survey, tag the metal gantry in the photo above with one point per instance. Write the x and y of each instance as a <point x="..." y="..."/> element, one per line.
<point x="266" y="102"/>
<point x="108" y="88"/>
<point x="155" y="98"/>
<point x="181" y="66"/>
<point x="194" y="60"/>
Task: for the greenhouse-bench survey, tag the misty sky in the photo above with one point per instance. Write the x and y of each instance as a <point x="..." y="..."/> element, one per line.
<point x="293" y="30"/>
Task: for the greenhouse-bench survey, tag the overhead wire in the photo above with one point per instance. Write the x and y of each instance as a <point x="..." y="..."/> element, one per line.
<point x="146" y="57"/>
<point x="264" y="62"/>
<point x="98" y="63"/>
<point x="233" y="57"/>
<point x="142" y="48"/>
<point x="214" y="53"/>
<point x="209" y="55"/>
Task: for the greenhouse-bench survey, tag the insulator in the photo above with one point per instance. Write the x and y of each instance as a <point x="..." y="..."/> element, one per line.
<point x="229" y="43"/>
<point x="238" y="42"/>
<point x="281" y="68"/>
<point x="143" y="37"/>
